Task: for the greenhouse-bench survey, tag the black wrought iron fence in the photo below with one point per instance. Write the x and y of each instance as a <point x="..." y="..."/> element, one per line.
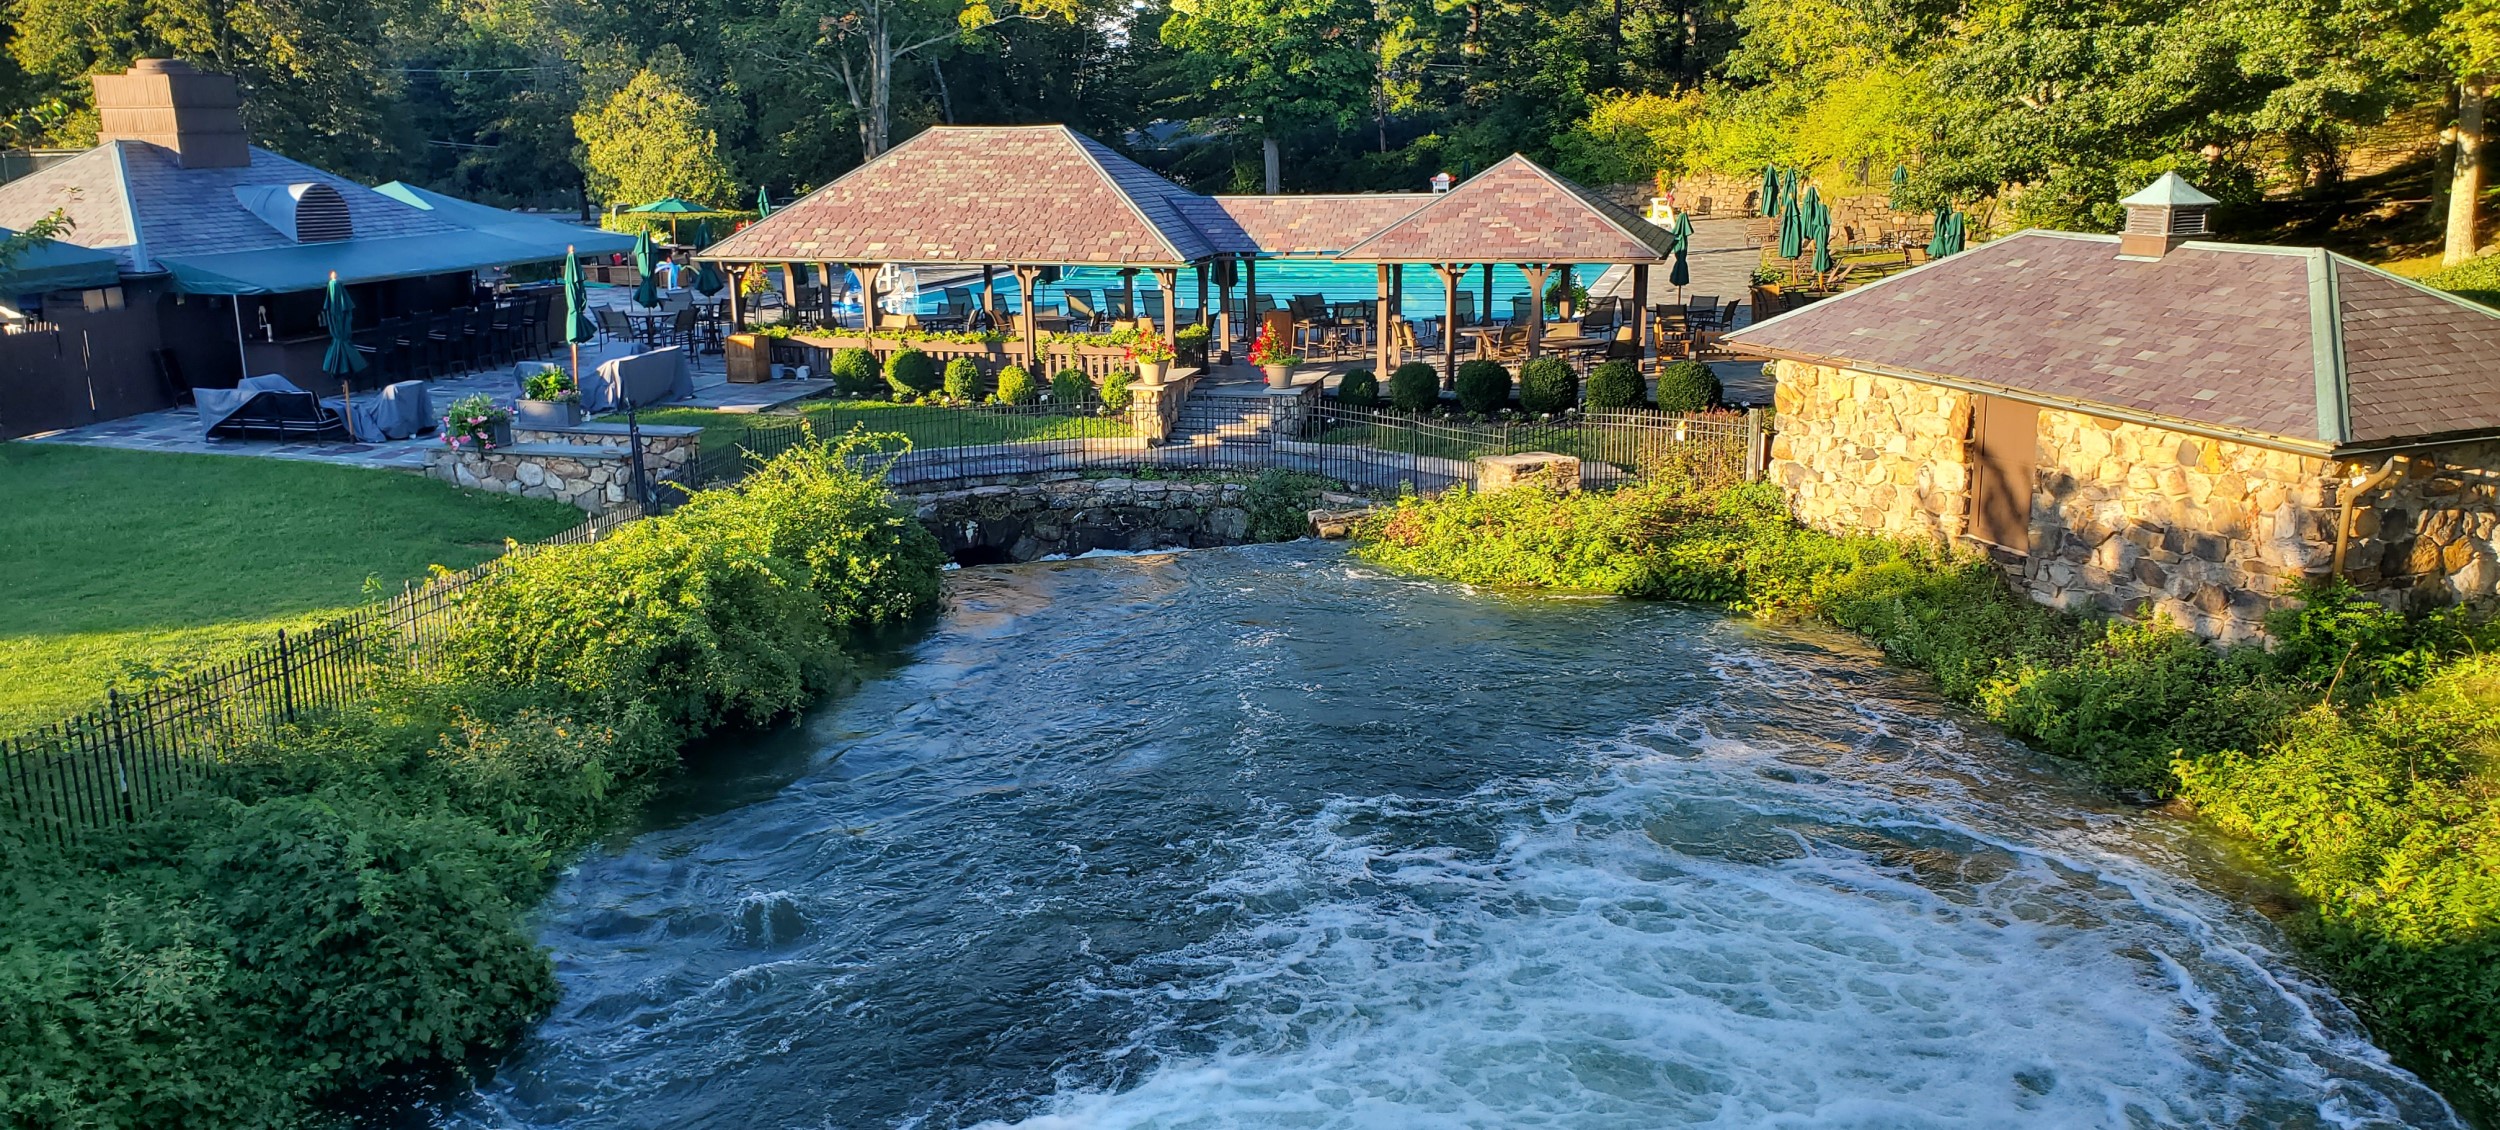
<point x="125" y="758"/>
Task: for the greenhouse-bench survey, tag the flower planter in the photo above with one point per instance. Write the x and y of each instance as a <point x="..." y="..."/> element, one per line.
<point x="547" y="415"/>
<point x="1278" y="376"/>
<point x="1152" y="372"/>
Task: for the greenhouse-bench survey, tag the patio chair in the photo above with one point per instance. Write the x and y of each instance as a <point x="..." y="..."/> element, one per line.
<point x="1080" y="310"/>
<point x="1523" y="308"/>
<point x="1466" y="308"/>
<point x="613" y="324"/>
<point x="681" y="330"/>
<point x="280" y="415"/>
<point x="1116" y="304"/>
<point x="1727" y="314"/>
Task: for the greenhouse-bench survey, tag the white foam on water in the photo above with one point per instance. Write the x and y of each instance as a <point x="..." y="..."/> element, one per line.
<point x="1684" y="940"/>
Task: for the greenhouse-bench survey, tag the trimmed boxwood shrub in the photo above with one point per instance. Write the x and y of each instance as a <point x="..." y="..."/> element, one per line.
<point x="1687" y="386"/>
<point x="854" y="372"/>
<point x="1115" y="394"/>
<point x="1358" y="389"/>
<point x="1547" y="384"/>
<point x="1414" y="387"/>
<point x="1071" y="386"/>
<point x="1483" y="386"/>
<point x="1015" y="386"/>
<point x="911" y="373"/>
<point x="1616" y="386"/>
<point x="963" y="378"/>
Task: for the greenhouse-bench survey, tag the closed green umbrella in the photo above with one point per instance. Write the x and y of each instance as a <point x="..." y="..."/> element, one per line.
<point x="1900" y="177"/>
<point x="707" y="278"/>
<point x="1822" y="222"/>
<point x="1788" y="188"/>
<point x="338" y="312"/>
<point x="1935" y="233"/>
<point x="1792" y="229"/>
<point x="1770" y="190"/>
<point x="763" y="203"/>
<point x="578" y="327"/>
<point x="1953" y="235"/>
<point x="646" y="261"/>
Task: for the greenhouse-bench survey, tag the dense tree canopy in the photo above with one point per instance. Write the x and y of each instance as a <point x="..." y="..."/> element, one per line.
<point x="2052" y="106"/>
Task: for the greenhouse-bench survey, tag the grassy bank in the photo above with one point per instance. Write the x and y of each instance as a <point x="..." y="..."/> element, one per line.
<point x="926" y="425"/>
<point x="2359" y="748"/>
<point x="349" y="900"/>
<point x="123" y="563"/>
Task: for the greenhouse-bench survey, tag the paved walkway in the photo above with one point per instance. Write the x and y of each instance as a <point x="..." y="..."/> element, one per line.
<point x="178" y="429"/>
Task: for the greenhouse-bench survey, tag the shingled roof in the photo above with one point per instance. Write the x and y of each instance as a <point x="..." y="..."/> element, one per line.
<point x="1037" y="195"/>
<point x="1517" y="212"/>
<point x="1316" y="225"/>
<point x="2297" y="347"/>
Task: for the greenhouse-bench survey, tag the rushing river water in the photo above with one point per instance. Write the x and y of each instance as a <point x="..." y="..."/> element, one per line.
<point x="1265" y="838"/>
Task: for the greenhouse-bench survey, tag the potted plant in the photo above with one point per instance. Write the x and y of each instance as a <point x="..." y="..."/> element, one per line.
<point x="550" y="400"/>
<point x="476" y="418"/>
<point x="1152" y="357"/>
<point x="1272" y="358"/>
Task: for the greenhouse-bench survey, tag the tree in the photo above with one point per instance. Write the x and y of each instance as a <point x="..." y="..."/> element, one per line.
<point x="858" y="42"/>
<point x="648" y="141"/>
<point x="1281" y="65"/>
<point x="18" y="244"/>
<point x="2470" y="39"/>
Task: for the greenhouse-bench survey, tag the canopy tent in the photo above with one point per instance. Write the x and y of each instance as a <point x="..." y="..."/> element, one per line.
<point x="539" y="230"/>
<point x="52" y="265"/>
<point x="307" y="266"/>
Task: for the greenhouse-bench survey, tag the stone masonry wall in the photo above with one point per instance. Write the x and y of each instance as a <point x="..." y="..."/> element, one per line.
<point x="1071" y="515"/>
<point x="1860" y="453"/>
<point x="2127" y="517"/>
<point x="584" y="469"/>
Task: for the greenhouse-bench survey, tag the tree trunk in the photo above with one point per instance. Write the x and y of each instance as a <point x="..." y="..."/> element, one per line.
<point x="1268" y="146"/>
<point x="2465" y="184"/>
<point x="946" y="102"/>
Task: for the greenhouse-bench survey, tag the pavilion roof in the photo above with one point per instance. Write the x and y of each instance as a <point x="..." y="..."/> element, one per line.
<point x="2293" y="345"/>
<point x="1313" y="225"/>
<point x="1517" y="212"/>
<point x="1035" y="195"/>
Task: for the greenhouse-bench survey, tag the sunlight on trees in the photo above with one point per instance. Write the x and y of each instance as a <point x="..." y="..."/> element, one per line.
<point x="648" y="141"/>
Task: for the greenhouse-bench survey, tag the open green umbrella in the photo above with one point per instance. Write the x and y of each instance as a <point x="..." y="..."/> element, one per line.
<point x="707" y="278"/>
<point x="672" y="207"/>
<point x="338" y="312"/>
<point x="646" y="261"/>
<point x="763" y="203"/>
<point x="1770" y="190"/>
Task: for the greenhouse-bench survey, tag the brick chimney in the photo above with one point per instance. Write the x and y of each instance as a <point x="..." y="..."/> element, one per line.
<point x="2163" y="215"/>
<point x="165" y="102"/>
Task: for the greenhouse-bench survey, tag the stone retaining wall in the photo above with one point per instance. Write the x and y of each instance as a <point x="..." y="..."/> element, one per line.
<point x="2127" y="517"/>
<point x="1071" y="515"/>
<point x="586" y="466"/>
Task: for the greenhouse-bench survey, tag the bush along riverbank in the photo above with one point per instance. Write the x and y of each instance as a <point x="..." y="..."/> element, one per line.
<point x="2359" y="748"/>
<point x="346" y="902"/>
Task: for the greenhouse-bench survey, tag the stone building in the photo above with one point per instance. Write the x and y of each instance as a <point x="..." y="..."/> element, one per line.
<point x="2149" y="421"/>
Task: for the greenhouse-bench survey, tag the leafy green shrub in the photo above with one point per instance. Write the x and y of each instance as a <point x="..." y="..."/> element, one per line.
<point x="1015" y="386"/>
<point x="911" y="373"/>
<point x="962" y="380"/>
<point x="1414" y="387"/>
<point x="1688" y="386"/>
<point x="1547" y="384"/>
<point x="854" y="372"/>
<point x="2475" y="279"/>
<point x="1358" y="389"/>
<point x="1483" y="386"/>
<point x="1071" y="386"/>
<point x="1280" y="503"/>
<point x="867" y="561"/>
<point x="1190" y="342"/>
<point x="1115" y="389"/>
<point x="1615" y="386"/>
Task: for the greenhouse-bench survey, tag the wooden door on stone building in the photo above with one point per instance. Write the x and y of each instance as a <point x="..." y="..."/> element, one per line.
<point x="2004" y="443"/>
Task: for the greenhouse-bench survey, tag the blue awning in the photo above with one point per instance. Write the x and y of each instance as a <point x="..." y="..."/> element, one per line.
<point x="535" y="230"/>
<point x="53" y="265"/>
<point x="307" y="266"/>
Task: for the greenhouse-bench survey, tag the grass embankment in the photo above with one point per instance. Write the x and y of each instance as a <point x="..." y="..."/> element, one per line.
<point x="119" y="564"/>
<point x="926" y="425"/>
<point x="349" y="899"/>
<point x="2360" y="748"/>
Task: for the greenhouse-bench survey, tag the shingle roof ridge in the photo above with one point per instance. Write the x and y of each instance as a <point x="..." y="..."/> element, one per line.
<point x="1615" y="214"/>
<point x="139" y="259"/>
<point x="2326" y="348"/>
<point x="2450" y="298"/>
<point x="1085" y="146"/>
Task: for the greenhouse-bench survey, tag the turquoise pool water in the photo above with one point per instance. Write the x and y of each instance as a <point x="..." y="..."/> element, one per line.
<point x="1281" y="278"/>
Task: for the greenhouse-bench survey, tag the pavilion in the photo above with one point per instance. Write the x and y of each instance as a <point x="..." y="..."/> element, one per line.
<point x="1031" y="199"/>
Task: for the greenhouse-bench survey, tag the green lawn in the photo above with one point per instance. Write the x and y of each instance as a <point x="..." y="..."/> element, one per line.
<point x="124" y="562"/>
<point x="926" y="425"/>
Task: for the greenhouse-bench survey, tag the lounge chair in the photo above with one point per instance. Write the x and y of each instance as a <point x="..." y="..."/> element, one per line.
<point x="267" y="407"/>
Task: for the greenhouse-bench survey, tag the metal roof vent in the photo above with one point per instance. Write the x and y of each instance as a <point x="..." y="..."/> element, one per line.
<point x="306" y="213"/>
<point x="2163" y="215"/>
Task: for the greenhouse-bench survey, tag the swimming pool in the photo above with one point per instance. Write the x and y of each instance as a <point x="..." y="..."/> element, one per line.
<point x="1278" y="278"/>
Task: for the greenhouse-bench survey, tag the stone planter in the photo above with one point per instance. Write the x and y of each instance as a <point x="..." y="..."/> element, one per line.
<point x="1152" y="372"/>
<point x="1278" y="376"/>
<point x="499" y="435"/>
<point x="548" y="415"/>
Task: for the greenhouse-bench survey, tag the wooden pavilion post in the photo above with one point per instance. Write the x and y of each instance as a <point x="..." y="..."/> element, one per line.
<point x="737" y="298"/>
<point x="1536" y="307"/>
<point x="1564" y="307"/>
<point x="989" y="292"/>
<point x="1640" y="313"/>
<point x="1169" y="279"/>
<point x="1380" y="316"/>
<point x="1250" y="322"/>
<point x="1224" y="322"/>
<point x="1202" y="292"/>
<point x="866" y="273"/>
<point x="1449" y="273"/>
<point x="1486" y="315"/>
<point x="1128" y="291"/>
<point x="1032" y="333"/>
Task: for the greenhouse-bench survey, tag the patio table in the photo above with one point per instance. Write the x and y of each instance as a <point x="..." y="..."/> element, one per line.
<point x="649" y="324"/>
